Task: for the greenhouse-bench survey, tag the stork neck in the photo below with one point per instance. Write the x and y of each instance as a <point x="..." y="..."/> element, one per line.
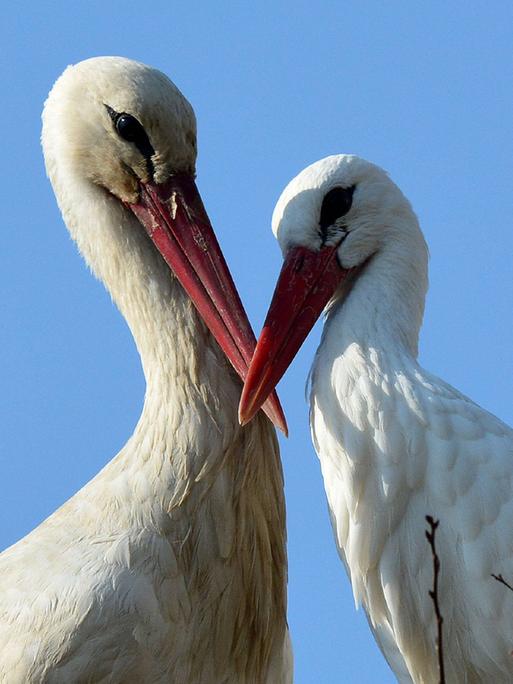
<point x="385" y="305"/>
<point x="170" y="337"/>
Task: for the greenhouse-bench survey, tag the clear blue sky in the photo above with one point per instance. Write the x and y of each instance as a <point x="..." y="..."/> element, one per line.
<point x="423" y="89"/>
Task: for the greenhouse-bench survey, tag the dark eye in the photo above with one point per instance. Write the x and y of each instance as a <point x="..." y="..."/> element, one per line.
<point x="129" y="128"/>
<point x="336" y="203"/>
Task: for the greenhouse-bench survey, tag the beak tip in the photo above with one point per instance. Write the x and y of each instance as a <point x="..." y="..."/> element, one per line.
<point x="284" y="429"/>
<point x="245" y="415"/>
<point x="281" y="423"/>
<point x="248" y="411"/>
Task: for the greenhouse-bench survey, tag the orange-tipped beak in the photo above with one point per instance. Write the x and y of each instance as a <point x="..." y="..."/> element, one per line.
<point x="306" y="283"/>
<point x="175" y="219"/>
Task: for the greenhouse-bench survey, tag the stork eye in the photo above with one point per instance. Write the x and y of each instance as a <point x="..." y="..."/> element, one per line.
<point x="336" y="203"/>
<point x="131" y="130"/>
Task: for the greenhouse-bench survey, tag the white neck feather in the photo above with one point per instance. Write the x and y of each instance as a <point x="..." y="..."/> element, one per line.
<point x="385" y="306"/>
<point x="369" y="346"/>
<point x="189" y="382"/>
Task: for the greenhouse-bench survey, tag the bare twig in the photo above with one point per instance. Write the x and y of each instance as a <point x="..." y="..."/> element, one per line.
<point x="430" y="535"/>
<point x="501" y="579"/>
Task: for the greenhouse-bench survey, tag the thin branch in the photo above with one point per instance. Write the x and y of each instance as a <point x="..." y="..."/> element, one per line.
<point x="501" y="579"/>
<point x="430" y="535"/>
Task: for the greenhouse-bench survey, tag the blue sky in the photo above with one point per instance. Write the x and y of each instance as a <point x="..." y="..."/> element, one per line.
<point x="423" y="89"/>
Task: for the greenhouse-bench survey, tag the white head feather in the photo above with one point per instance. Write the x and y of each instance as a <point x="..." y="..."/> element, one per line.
<point x="380" y="228"/>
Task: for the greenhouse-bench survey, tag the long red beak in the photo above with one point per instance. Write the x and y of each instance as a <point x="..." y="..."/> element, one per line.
<point x="306" y="283"/>
<point x="175" y="219"/>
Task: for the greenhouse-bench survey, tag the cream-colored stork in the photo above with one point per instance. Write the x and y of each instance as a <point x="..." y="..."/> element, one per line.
<point x="169" y="566"/>
<point x="395" y="442"/>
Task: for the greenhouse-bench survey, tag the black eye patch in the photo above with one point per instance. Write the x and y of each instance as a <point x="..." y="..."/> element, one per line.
<point x="131" y="130"/>
<point x="336" y="203"/>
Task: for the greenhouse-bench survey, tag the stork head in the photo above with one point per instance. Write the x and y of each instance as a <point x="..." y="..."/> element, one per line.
<point x="119" y="123"/>
<point x="330" y="221"/>
<point x="119" y="137"/>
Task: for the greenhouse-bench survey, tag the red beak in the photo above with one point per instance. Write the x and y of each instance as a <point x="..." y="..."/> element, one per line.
<point x="174" y="217"/>
<point x="307" y="282"/>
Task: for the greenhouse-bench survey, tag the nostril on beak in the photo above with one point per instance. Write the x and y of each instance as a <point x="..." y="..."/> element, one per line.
<point x="298" y="266"/>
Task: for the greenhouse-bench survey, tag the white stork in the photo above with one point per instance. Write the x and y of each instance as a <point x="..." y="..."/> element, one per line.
<point x="395" y="443"/>
<point x="170" y="565"/>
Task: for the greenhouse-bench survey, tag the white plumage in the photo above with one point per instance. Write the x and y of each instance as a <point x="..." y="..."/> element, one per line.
<point x="169" y="566"/>
<point x="395" y="442"/>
